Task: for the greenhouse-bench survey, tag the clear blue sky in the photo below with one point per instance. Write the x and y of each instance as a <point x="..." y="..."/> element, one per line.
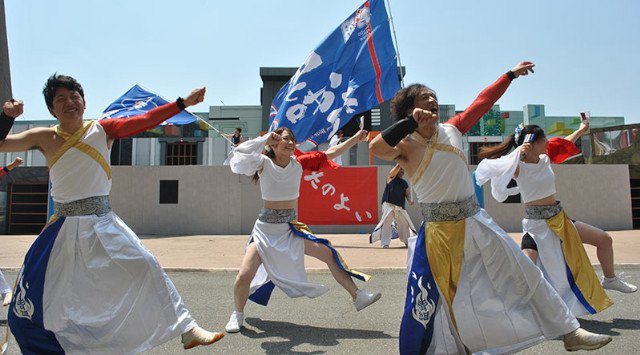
<point x="587" y="52"/>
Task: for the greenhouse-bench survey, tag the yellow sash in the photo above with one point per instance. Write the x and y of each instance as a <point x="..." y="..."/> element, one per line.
<point x="445" y="248"/>
<point x="73" y="141"/>
<point x="431" y="146"/>
<point x="578" y="262"/>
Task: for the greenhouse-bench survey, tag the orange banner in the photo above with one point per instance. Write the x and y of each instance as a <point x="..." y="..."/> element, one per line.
<point x="347" y="195"/>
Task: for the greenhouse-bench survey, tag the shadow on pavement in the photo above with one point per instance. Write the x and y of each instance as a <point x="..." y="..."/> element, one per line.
<point x="609" y="327"/>
<point x="296" y="335"/>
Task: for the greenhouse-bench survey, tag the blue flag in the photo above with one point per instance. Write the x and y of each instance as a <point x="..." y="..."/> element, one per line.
<point x="137" y="101"/>
<point x="352" y="71"/>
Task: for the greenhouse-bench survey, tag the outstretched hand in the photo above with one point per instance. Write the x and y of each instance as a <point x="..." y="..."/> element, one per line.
<point x="195" y="97"/>
<point x="523" y="68"/>
<point x="13" y="108"/>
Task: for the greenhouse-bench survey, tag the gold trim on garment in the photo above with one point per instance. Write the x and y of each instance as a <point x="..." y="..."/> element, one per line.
<point x="73" y="141"/>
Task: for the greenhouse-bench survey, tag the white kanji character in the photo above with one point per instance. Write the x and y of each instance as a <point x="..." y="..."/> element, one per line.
<point x="368" y="214"/>
<point x="314" y="178"/>
<point x="358" y="217"/>
<point x="296" y="112"/>
<point x="341" y="205"/>
<point x="328" y="189"/>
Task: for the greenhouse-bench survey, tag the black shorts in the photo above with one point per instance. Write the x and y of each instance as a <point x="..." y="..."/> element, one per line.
<point x="529" y="243"/>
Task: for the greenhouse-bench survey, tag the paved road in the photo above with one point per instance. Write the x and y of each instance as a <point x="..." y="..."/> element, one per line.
<point x="330" y="324"/>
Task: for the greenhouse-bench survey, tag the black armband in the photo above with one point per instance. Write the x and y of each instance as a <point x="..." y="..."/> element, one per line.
<point x="6" y="170"/>
<point x="511" y="75"/>
<point x="397" y="131"/>
<point x="180" y="103"/>
<point x="6" y="122"/>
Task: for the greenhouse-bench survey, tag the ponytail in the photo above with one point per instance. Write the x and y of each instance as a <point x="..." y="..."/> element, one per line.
<point x="498" y="150"/>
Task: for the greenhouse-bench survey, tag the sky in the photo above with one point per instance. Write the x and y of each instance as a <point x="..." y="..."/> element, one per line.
<point x="587" y="52"/>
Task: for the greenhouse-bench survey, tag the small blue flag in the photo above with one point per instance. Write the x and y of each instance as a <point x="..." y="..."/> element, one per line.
<point x="137" y="101"/>
<point x="352" y="71"/>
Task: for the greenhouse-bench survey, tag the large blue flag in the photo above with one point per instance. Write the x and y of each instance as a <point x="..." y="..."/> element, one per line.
<point x="137" y="101"/>
<point x="352" y="71"/>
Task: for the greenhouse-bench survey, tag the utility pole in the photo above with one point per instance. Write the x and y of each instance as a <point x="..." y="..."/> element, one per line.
<point x="5" y="73"/>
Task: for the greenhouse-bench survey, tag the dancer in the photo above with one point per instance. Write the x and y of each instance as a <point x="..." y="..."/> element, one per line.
<point x="5" y="288"/>
<point x="551" y="239"/>
<point x="236" y="137"/>
<point x="395" y="221"/>
<point x="87" y="284"/>
<point x="275" y="253"/>
<point x="470" y="288"/>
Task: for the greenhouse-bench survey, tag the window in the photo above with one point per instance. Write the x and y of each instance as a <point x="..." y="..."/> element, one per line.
<point x="168" y="191"/>
<point x="182" y="153"/>
<point x="121" y="151"/>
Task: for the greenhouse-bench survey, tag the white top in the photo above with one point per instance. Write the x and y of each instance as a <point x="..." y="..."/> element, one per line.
<point x="276" y="183"/>
<point x="447" y="178"/>
<point x="536" y="180"/>
<point x="76" y="175"/>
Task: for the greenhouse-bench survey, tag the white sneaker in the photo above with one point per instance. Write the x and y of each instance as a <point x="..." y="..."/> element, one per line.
<point x="235" y="322"/>
<point x="6" y="299"/>
<point x="581" y="339"/>
<point x="364" y="299"/>
<point x="198" y="336"/>
<point x="618" y="284"/>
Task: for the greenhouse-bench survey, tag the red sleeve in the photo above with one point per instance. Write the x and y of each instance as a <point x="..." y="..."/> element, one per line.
<point x="127" y="127"/>
<point x="314" y="161"/>
<point x="465" y="120"/>
<point x="2" y="173"/>
<point x="560" y="149"/>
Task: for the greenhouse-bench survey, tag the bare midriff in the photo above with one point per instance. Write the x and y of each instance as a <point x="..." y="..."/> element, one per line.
<point x="281" y="205"/>
<point x="546" y="201"/>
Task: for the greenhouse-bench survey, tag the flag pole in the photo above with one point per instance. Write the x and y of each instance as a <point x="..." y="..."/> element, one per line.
<point x="395" y="42"/>
<point x="215" y="129"/>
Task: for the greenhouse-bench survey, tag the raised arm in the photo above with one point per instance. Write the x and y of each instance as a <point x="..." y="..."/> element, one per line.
<point x="127" y="127"/>
<point x="16" y="142"/>
<point x="573" y="137"/>
<point x="465" y="120"/>
<point x="339" y="149"/>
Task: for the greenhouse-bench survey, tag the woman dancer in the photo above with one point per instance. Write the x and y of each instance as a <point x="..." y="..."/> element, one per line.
<point x="394" y="216"/>
<point x="551" y="239"/>
<point x="87" y="284"/>
<point x="470" y="288"/>
<point x="275" y="253"/>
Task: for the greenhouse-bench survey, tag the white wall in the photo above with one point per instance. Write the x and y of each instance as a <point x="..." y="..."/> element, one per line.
<point x="212" y="200"/>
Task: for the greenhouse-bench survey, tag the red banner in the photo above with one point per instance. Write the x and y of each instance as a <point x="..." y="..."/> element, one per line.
<point x="347" y="195"/>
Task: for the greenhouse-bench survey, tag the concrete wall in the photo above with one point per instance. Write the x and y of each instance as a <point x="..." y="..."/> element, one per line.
<point x="212" y="200"/>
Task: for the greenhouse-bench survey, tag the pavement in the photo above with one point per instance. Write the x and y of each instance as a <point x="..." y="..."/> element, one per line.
<point x="329" y="324"/>
<point x="222" y="252"/>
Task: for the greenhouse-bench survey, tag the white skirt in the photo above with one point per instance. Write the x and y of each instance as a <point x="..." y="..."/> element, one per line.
<point x="384" y="231"/>
<point x="552" y="262"/>
<point x="282" y="255"/>
<point x="102" y="290"/>
<point x="502" y="303"/>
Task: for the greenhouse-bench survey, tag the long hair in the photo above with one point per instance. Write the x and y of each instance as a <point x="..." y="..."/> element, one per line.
<point x="270" y="153"/>
<point x="405" y="98"/>
<point x="504" y="148"/>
